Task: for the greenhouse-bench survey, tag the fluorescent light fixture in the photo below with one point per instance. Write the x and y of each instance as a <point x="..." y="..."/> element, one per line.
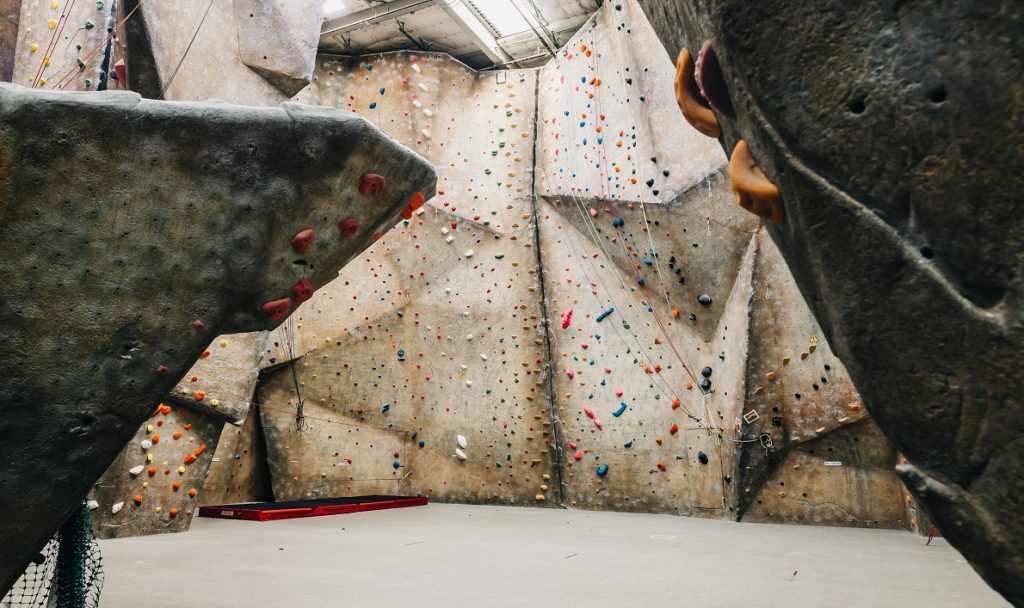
<point x="505" y="16"/>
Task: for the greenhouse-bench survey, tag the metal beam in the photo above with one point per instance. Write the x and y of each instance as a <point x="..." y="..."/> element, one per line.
<point x="334" y="25"/>
<point x="469" y="22"/>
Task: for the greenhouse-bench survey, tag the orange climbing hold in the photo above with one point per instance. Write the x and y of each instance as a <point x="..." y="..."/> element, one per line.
<point x="676" y="403"/>
<point x="173" y="512"/>
<point x="661" y="465"/>
<point x="192" y="493"/>
<point x="673" y="429"/>
<point x="176" y="485"/>
<point x="155" y="439"/>
<point x="177" y="435"/>
<point x="200" y="395"/>
<point x="138" y="499"/>
<point x="151" y="471"/>
<point x="190" y="458"/>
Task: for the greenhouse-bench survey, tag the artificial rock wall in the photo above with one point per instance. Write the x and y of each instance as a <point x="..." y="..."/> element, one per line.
<point x="452" y="325"/>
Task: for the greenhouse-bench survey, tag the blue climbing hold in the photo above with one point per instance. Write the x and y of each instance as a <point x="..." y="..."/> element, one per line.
<point x="604" y="315"/>
<point x="622" y="408"/>
<point x="602" y="469"/>
<point x="396" y="464"/>
<point x="422" y="443"/>
<point x="628" y="444"/>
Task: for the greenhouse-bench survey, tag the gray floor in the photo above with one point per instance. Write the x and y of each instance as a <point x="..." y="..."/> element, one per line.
<point x="456" y="555"/>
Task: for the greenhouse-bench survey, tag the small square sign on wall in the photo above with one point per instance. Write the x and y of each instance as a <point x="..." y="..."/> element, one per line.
<point x="500" y="77"/>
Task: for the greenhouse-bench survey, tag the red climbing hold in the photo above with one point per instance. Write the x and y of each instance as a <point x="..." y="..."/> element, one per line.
<point x="163" y="370"/>
<point x="372" y="184"/>
<point x="122" y="72"/>
<point x="302" y="240"/>
<point x="277" y="309"/>
<point x="303" y="291"/>
<point x="349" y="227"/>
<point x="198" y="325"/>
<point x="415" y="203"/>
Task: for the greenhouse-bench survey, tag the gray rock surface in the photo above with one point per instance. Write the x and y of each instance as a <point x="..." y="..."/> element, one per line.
<point x="278" y="40"/>
<point x="893" y="131"/>
<point x="125" y="221"/>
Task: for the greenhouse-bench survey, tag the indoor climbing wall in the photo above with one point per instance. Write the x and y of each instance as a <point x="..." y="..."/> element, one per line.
<point x="689" y="375"/>
<point x="62" y="44"/>
<point x="421" y="368"/>
<point x="154" y="484"/>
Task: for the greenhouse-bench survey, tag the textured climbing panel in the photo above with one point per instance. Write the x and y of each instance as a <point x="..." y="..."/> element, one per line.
<point x="125" y="221"/>
<point x="902" y="222"/>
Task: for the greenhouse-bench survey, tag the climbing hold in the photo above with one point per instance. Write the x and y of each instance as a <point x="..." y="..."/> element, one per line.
<point x="348" y="227"/>
<point x="578" y="455"/>
<point x="702" y="457"/>
<point x="704" y="299"/>
<point x="134" y="471"/>
<point x="711" y="82"/>
<point x="277" y="309"/>
<point x="302" y="240"/>
<point x="621" y="408"/>
<point x="116" y="508"/>
<point x="460" y="454"/>
<point x="372" y="184"/>
<point x="396" y="464"/>
<point x="303" y="290"/>
<point x="752" y="189"/>
<point x="706" y="372"/>
<point x="566" y="318"/>
<point x="661" y="465"/>
<point x="705" y="385"/>
<point x="163" y="370"/>
<point x="602" y="469"/>
<point x="604" y="315"/>
<point x="461" y="441"/>
<point x="628" y="444"/>
<point x="690" y="100"/>
<point x="672" y="430"/>
<point x="199" y="325"/>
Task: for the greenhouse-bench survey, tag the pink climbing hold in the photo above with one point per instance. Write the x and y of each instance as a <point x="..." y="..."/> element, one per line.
<point x="570" y="373"/>
<point x="302" y="240"/>
<point x="578" y="455"/>
<point x="303" y="291"/>
<point x="163" y="370"/>
<point x="589" y="412"/>
<point x="349" y="227"/>
<point x="198" y="325"/>
<point x="277" y="309"/>
<point x="597" y="423"/>
<point x="618" y="392"/>
<point x="566" y="319"/>
<point x="593" y="212"/>
<point x="372" y="184"/>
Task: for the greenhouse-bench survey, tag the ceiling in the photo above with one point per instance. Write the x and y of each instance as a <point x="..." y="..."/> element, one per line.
<point x="480" y="33"/>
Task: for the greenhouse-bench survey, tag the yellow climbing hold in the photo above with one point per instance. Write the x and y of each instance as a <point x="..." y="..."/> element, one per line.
<point x="51" y="23"/>
<point x="33" y="47"/>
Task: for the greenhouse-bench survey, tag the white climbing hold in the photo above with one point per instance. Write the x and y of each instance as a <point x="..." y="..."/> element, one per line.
<point x="469" y="253"/>
<point x="134" y="471"/>
<point x="469" y="337"/>
<point x="483" y="356"/>
<point x="92" y="504"/>
<point x="449" y="239"/>
<point x="460" y="454"/>
<point x="145" y="444"/>
<point x="444" y="229"/>
<point x="117" y="508"/>
<point x="462" y="441"/>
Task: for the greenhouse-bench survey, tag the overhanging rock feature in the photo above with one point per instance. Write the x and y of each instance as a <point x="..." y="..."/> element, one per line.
<point x="278" y="39"/>
<point x="136" y="231"/>
<point x="897" y="149"/>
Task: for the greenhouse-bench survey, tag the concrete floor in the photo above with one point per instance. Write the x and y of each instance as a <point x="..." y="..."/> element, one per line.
<point x="483" y="557"/>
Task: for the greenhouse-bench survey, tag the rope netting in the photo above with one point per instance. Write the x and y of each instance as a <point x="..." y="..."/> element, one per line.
<point x="67" y="573"/>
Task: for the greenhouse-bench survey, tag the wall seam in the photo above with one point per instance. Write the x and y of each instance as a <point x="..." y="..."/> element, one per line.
<point x="556" y="442"/>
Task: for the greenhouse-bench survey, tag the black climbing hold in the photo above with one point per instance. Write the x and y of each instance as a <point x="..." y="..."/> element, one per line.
<point x="650" y="183"/>
<point x="702" y="457"/>
<point x="704" y="299"/>
<point x="728" y="479"/>
<point x="721" y="355"/>
<point x="693" y="317"/>
<point x="665" y="172"/>
<point x="654" y="159"/>
<point x="706" y="372"/>
<point x="705" y="384"/>
<point x="655" y="192"/>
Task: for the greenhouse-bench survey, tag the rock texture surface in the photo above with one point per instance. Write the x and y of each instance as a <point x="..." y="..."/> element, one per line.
<point x="894" y="134"/>
<point x="125" y="222"/>
<point x="10" y="12"/>
<point x="290" y="29"/>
